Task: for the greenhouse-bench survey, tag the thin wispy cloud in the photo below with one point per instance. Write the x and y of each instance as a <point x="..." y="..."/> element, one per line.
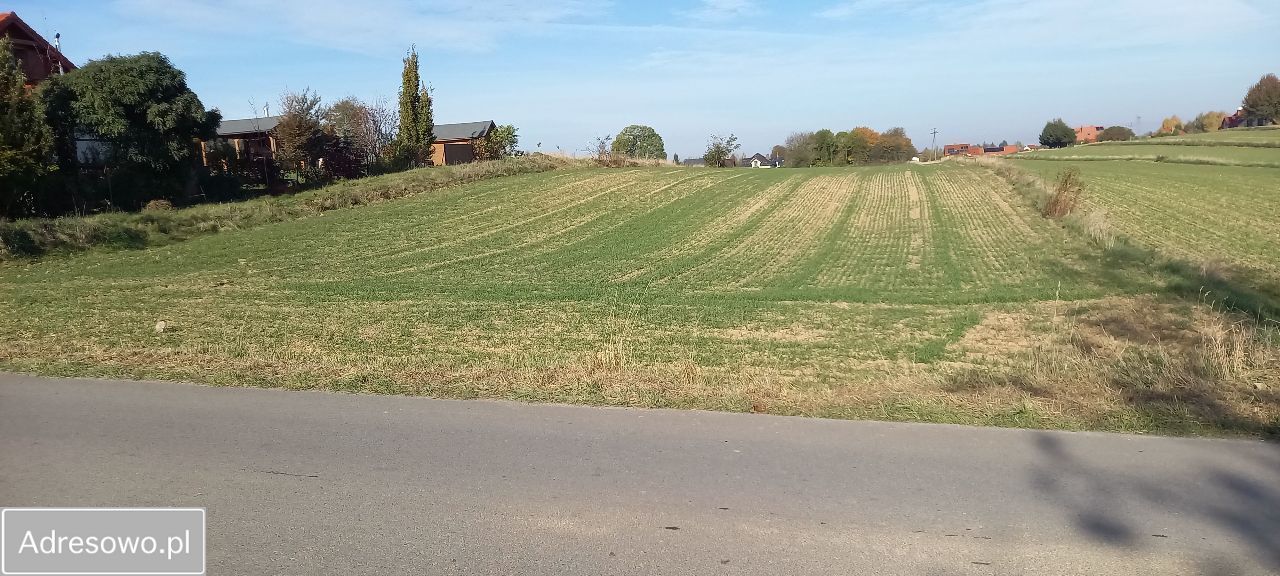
<point x="722" y="10"/>
<point x="372" y="27"/>
<point x="856" y="8"/>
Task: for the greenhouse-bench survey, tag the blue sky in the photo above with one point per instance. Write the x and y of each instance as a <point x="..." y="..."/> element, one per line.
<point x="564" y="71"/>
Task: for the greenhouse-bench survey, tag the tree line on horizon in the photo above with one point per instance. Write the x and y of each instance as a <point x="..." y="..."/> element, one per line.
<point x="123" y="131"/>
<point x="1261" y="104"/>
<point x="861" y="145"/>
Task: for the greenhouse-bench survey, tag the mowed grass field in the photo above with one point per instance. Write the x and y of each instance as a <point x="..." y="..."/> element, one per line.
<point x="1223" y="155"/>
<point x="931" y="293"/>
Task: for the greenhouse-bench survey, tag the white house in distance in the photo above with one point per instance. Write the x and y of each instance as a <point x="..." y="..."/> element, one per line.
<point x="760" y="161"/>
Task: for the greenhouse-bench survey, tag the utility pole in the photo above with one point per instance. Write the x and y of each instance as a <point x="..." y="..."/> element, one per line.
<point x="934" y="149"/>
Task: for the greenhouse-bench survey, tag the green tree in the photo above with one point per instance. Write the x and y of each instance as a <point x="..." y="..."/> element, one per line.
<point x="1116" y="134"/>
<point x="840" y="156"/>
<point x="1057" y="134"/>
<point x="499" y="143"/>
<point x="426" y="120"/>
<point x="638" y="141"/>
<point x="416" y="133"/>
<point x="1206" y="122"/>
<point x="299" y="138"/>
<point x="1262" y="102"/>
<point x="720" y="149"/>
<point x="144" y="116"/>
<point x="779" y="152"/>
<point x="824" y="147"/>
<point x="26" y="143"/>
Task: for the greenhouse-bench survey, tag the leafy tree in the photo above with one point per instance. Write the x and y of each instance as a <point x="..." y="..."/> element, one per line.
<point x="1206" y="122"/>
<point x="1057" y="134"/>
<point x="416" y="133"/>
<point x="637" y="141"/>
<point x="675" y="158"/>
<point x="895" y="146"/>
<point x="1170" y="126"/>
<point x="720" y="149"/>
<point x="1116" y="134"/>
<point x="25" y="140"/>
<point x="824" y="147"/>
<point x="426" y="121"/>
<point x="1004" y="143"/>
<point x="499" y="143"/>
<point x="300" y="141"/>
<point x="366" y="128"/>
<point x="862" y="141"/>
<point x="144" y="116"/>
<point x="799" y="150"/>
<point x="1262" y="102"/>
<point x="779" y="152"/>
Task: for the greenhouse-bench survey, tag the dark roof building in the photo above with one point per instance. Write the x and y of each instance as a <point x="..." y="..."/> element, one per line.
<point x="233" y="128"/>
<point x="455" y="143"/>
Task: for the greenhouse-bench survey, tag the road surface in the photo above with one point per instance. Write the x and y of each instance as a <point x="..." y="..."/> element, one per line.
<point x="318" y="483"/>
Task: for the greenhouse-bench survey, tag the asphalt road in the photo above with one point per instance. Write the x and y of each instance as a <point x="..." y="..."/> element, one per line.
<point x="316" y="483"/>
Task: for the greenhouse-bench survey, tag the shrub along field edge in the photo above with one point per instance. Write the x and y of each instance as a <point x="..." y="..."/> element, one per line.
<point x="30" y="238"/>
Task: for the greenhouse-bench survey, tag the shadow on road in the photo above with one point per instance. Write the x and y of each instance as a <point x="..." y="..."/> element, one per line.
<point x="1247" y="507"/>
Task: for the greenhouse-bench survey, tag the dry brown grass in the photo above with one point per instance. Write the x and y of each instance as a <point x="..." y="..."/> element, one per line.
<point x="1138" y="363"/>
<point x="1066" y="194"/>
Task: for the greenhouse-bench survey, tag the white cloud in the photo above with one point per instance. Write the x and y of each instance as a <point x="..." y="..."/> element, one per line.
<point x="720" y="10"/>
<point x="372" y="26"/>
<point x="854" y="8"/>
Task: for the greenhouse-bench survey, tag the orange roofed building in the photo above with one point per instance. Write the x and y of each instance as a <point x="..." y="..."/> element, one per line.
<point x="39" y="58"/>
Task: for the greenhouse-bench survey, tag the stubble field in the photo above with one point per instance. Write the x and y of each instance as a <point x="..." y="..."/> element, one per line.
<point x="932" y="293"/>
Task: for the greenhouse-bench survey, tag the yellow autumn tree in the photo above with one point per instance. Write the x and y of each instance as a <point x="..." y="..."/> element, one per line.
<point x="1171" y="125"/>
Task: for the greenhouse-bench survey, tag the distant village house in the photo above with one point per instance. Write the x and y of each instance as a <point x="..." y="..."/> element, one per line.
<point x="975" y="150"/>
<point x="253" y="139"/>
<point x="1087" y="134"/>
<point x="455" y="143"/>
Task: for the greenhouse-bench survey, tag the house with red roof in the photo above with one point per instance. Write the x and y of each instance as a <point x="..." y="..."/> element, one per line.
<point x="39" y="58"/>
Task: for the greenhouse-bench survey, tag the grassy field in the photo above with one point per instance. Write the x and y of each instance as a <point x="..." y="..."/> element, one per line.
<point x="930" y="293"/>
<point x="1266" y="137"/>
<point x="1223" y="155"/>
<point x="1204" y="214"/>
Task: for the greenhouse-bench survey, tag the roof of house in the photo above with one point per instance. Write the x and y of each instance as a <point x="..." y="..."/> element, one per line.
<point x="463" y="131"/>
<point x="10" y="20"/>
<point x="693" y="162"/>
<point x="247" y="125"/>
<point x="760" y="157"/>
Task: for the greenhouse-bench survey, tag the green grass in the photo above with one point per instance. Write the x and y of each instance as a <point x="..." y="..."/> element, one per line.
<point x="1183" y="211"/>
<point x="1265" y="137"/>
<point x="930" y="293"/>
<point x="1147" y="151"/>
<point x="121" y="230"/>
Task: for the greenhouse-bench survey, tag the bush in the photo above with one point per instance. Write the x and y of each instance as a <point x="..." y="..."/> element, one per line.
<point x="1066" y="195"/>
<point x="1116" y="134"/>
<point x="158" y="206"/>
